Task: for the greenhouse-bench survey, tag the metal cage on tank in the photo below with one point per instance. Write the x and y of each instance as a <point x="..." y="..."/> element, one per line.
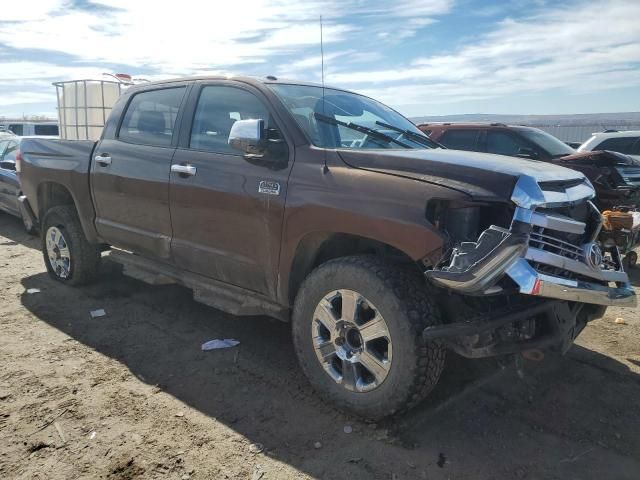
<point x="85" y="105"/>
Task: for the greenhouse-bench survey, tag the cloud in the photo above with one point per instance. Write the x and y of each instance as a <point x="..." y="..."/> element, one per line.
<point x="567" y="46"/>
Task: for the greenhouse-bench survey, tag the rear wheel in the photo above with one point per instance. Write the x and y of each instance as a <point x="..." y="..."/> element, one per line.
<point x="357" y="325"/>
<point x="69" y="257"/>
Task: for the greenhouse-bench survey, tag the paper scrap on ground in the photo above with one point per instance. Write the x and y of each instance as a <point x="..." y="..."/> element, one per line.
<point x="98" y="313"/>
<point x="217" y="344"/>
<point x="33" y="290"/>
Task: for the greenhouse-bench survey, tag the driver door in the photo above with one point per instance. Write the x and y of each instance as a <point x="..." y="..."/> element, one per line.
<point x="227" y="211"/>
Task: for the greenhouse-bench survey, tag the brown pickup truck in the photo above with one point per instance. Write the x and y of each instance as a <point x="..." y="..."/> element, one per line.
<point x="330" y="210"/>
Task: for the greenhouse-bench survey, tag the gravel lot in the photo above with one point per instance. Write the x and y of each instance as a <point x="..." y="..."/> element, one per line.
<point x="131" y="395"/>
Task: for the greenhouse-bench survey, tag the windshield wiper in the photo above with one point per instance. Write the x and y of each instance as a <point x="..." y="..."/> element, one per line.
<point x="360" y="128"/>
<point x="413" y="135"/>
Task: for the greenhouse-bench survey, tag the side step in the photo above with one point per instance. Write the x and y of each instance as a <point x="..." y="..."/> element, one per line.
<point x="225" y="297"/>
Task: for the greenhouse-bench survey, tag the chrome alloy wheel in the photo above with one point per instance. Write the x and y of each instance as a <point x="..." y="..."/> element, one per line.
<point x="58" y="252"/>
<point x="352" y="341"/>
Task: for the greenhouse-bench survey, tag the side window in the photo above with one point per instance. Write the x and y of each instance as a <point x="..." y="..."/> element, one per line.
<point x="46" y="129"/>
<point x="151" y="117"/>
<point x="619" y="144"/>
<point x="460" y="139"/>
<point x="219" y="107"/>
<point x="17" y="128"/>
<point x="505" y="143"/>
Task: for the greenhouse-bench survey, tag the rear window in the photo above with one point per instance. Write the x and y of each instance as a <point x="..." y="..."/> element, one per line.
<point x="16" y="128"/>
<point x="619" y="144"/>
<point x="151" y="117"/>
<point x="460" y="139"/>
<point x="50" y="130"/>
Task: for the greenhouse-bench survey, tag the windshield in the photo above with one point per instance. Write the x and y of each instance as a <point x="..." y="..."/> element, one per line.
<point x="551" y="144"/>
<point x="348" y="120"/>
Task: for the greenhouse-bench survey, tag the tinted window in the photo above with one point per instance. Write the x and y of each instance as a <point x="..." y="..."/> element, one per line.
<point x="619" y="144"/>
<point x="548" y="142"/>
<point x="16" y="128"/>
<point x="218" y="108"/>
<point x="505" y="143"/>
<point x="46" y="129"/>
<point x="460" y="139"/>
<point x="151" y="117"/>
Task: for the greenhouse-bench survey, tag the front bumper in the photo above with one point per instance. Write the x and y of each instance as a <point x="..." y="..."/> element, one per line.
<point x="533" y="247"/>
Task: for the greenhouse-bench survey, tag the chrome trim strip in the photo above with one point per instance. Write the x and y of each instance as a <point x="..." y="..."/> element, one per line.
<point x="553" y="259"/>
<point x="554" y="222"/>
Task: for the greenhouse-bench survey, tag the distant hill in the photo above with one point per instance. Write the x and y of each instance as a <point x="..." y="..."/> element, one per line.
<point x="574" y="120"/>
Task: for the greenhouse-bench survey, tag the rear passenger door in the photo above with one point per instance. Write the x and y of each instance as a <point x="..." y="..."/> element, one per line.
<point x="130" y="173"/>
<point x="227" y="214"/>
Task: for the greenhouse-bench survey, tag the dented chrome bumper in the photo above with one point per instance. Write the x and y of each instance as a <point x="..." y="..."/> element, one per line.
<point x="534" y="245"/>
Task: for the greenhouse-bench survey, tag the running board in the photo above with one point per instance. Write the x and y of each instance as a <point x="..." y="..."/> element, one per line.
<point x="228" y="298"/>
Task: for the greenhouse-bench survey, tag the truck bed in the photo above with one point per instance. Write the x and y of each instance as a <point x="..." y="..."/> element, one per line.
<point x="58" y="167"/>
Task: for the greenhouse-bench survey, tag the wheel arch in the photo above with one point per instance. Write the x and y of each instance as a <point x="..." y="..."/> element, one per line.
<point x="316" y="248"/>
<point x="53" y="194"/>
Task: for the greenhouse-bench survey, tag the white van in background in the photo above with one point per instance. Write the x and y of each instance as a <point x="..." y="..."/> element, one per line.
<point x="24" y="129"/>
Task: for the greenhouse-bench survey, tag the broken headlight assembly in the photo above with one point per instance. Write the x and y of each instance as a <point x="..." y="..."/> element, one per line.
<point x="480" y="247"/>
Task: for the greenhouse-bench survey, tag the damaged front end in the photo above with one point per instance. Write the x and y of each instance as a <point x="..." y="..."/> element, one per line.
<point x="543" y="268"/>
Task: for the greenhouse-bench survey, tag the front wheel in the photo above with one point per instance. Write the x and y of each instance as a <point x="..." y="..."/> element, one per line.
<point x="357" y="324"/>
<point x="69" y="257"/>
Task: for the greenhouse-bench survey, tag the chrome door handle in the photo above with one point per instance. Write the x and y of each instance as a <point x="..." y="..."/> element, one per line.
<point x="189" y="170"/>
<point x="103" y="160"/>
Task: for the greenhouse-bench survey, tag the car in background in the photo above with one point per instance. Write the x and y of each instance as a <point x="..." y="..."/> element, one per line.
<point x="615" y="176"/>
<point x="27" y="129"/>
<point x="626" y="142"/>
<point x="9" y="183"/>
<point x="511" y="140"/>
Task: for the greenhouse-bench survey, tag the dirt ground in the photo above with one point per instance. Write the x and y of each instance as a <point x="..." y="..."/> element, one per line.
<point x="131" y="395"/>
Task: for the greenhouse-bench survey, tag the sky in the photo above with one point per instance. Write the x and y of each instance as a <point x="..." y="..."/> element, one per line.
<point x="422" y="57"/>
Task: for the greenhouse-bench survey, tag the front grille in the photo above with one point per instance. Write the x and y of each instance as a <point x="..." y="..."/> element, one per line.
<point x="545" y="239"/>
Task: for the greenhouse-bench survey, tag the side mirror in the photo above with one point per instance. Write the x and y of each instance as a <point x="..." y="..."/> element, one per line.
<point x="527" y="153"/>
<point x="8" y="165"/>
<point x="249" y="137"/>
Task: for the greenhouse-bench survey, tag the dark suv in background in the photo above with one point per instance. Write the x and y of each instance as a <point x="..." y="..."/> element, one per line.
<point x="515" y="141"/>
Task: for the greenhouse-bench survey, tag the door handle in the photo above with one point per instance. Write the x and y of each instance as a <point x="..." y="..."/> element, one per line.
<point x="103" y="160"/>
<point x="189" y="170"/>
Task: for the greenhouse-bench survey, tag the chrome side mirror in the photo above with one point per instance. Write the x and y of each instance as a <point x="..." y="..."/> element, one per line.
<point x="248" y="136"/>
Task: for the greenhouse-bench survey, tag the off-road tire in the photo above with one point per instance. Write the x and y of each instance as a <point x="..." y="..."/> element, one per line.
<point x="85" y="257"/>
<point x="401" y="298"/>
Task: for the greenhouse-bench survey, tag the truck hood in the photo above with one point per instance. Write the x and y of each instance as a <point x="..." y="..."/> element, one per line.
<point x="481" y="175"/>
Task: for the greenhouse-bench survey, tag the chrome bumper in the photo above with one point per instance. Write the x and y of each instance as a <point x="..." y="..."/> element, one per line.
<point x="518" y="255"/>
<point x="531" y="282"/>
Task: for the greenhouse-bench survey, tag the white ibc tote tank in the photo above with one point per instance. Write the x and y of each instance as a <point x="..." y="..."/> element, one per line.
<point x="85" y="105"/>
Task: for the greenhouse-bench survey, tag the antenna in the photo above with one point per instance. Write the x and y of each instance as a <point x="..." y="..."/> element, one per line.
<point x="325" y="169"/>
